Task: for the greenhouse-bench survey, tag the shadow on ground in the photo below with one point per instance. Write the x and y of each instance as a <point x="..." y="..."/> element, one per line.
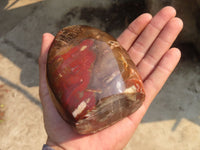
<point x="10" y="18"/>
<point x="112" y="19"/>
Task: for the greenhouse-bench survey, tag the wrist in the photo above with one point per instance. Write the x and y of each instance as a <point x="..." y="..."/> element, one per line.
<point x="52" y="146"/>
<point x="47" y="147"/>
<point x="57" y="146"/>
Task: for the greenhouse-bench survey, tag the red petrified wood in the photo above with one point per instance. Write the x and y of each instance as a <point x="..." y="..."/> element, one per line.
<point x="92" y="80"/>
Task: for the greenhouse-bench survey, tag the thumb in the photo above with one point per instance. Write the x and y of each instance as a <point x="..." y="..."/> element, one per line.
<point x="47" y="39"/>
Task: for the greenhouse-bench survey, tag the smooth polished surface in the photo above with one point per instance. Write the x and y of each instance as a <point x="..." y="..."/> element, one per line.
<point x="93" y="80"/>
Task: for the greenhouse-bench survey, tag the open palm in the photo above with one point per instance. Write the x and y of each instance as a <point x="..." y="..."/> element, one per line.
<point x="148" y="41"/>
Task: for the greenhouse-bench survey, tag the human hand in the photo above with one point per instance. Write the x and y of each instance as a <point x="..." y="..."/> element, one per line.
<point x="148" y="41"/>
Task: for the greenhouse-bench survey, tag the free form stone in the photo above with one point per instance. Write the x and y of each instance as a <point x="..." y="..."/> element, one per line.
<point x="92" y="80"/>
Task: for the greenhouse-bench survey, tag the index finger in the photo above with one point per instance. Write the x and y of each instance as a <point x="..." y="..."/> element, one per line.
<point x="130" y="34"/>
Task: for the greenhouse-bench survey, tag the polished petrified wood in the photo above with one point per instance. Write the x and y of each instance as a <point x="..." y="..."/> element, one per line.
<point x="92" y="80"/>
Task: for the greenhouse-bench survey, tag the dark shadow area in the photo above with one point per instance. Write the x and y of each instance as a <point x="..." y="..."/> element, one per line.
<point x="114" y="18"/>
<point x="189" y="52"/>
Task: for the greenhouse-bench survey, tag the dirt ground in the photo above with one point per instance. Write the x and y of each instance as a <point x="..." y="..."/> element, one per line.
<point x="173" y="120"/>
